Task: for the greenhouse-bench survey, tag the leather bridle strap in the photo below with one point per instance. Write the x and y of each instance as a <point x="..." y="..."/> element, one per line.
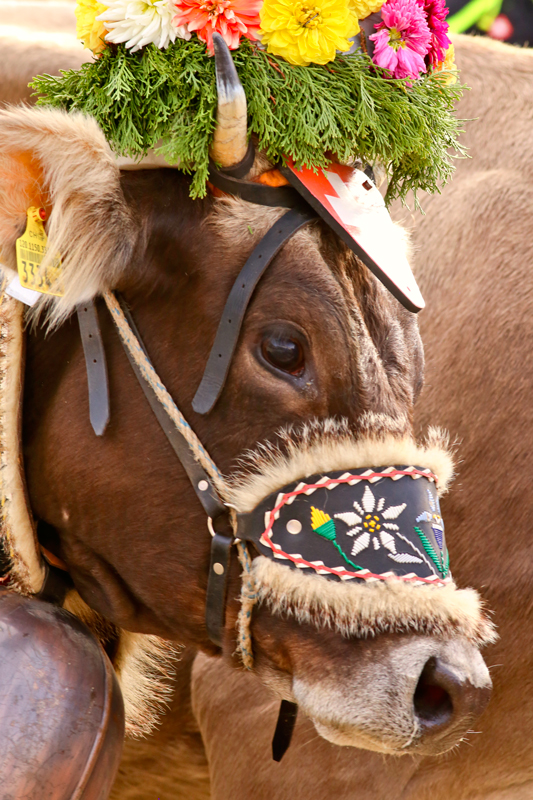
<point x="258" y="193"/>
<point x="217" y="512"/>
<point x="229" y="327"/>
<point x="95" y="362"/>
<point x="201" y="482"/>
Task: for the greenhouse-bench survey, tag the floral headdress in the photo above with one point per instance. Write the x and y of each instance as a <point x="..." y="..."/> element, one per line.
<point x="323" y="79"/>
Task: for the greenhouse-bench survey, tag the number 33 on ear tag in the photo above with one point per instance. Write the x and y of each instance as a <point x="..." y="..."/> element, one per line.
<point x="31" y="250"/>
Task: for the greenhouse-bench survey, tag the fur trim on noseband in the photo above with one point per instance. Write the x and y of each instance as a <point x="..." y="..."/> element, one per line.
<point x="355" y="608"/>
<point x="365" y="610"/>
<point x="327" y="446"/>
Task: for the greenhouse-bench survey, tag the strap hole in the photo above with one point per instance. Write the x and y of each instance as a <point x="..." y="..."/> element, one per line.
<point x="244" y="286"/>
<point x="90" y="336"/>
<point x="95" y="361"/>
<point x="220" y="355"/>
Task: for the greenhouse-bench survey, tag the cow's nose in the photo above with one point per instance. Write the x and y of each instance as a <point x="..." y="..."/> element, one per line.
<point x="445" y="697"/>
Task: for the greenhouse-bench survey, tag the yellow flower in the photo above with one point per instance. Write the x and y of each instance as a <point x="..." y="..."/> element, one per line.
<point x="307" y="31"/>
<point x="363" y="8"/>
<point x="448" y="66"/>
<point x="90" y="30"/>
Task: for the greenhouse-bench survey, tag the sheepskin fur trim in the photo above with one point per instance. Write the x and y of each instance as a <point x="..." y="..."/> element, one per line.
<point x="63" y="162"/>
<point x="364" y="610"/>
<point x="144" y="666"/>
<point x="329" y="445"/>
<point x="17" y="530"/>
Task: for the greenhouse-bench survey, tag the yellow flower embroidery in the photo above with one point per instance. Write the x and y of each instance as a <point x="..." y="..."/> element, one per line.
<point x="307" y="31"/>
<point x="318" y="517"/>
<point x="363" y="8"/>
<point x="90" y="30"/>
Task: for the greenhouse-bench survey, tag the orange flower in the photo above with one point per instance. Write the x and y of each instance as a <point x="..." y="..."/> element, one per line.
<point x="231" y="18"/>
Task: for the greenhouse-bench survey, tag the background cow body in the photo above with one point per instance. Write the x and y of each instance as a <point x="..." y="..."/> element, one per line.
<point x="35" y="35"/>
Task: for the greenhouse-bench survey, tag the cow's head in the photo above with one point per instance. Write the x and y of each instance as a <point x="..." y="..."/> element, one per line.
<point x="325" y="376"/>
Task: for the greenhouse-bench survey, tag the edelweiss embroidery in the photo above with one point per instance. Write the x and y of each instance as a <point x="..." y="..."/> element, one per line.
<point x="370" y="523"/>
<point x="364" y="525"/>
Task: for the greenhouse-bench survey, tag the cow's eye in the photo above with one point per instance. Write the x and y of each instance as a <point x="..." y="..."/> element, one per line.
<point x="284" y="354"/>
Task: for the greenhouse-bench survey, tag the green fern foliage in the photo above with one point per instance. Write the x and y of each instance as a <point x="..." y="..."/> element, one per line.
<point x="167" y="98"/>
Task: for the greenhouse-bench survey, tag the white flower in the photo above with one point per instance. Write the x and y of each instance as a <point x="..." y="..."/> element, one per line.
<point x="367" y="522"/>
<point x="141" y="22"/>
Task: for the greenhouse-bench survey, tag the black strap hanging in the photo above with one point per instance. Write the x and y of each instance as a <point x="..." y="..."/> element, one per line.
<point x="95" y="362"/>
<point x="288" y="712"/>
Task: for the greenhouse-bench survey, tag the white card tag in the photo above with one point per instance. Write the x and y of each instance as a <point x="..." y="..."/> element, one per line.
<point x="27" y="296"/>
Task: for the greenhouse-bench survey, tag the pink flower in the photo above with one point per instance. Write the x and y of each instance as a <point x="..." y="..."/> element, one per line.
<point x="231" y="18"/>
<point x="403" y="38"/>
<point x="436" y="13"/>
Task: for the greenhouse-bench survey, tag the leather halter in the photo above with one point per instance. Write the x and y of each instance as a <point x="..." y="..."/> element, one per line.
<point x="220" y="523"/>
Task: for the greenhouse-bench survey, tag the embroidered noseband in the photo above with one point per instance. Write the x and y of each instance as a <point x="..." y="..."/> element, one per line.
<point x="362" y="525"/>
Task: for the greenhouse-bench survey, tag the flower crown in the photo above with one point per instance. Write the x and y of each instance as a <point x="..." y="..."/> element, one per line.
<point x="345" y="79"/>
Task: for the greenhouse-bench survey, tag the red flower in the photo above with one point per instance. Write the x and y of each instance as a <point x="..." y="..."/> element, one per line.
<point x="436" y="13"/>
<point x="231" y="18"/>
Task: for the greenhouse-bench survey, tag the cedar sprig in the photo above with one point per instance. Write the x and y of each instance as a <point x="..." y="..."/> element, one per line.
<point x="167" y="98"/>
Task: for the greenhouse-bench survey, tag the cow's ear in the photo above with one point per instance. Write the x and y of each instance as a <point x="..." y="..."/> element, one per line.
<point x="63" y="163"/>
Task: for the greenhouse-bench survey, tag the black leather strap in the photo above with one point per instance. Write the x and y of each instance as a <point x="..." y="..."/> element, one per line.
<point x="273" y="196"/>
<point x="284" y="729"/>
<point x="217" y="512"/>
<point x="201" y="482"/>
<point x="215" y="603"/>
<point x="230" y="324"/>
<point x="243" y="167"/>
<point x="95" y="362"/>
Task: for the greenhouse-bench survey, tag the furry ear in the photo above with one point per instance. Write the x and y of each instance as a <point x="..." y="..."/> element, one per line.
<point x="63" y="163"/>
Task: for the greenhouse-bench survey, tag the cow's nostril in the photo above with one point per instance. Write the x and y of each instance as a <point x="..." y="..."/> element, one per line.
<point x="432" y="702"/>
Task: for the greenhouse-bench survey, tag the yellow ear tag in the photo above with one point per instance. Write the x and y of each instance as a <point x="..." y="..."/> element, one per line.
<point x="31" y="249"/>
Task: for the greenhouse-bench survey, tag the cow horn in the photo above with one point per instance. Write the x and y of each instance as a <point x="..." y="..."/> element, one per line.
<point x="230" y="143"/>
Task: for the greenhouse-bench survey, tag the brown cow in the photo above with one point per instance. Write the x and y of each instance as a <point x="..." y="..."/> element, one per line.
<point x="87" y="534"/>
<point x="473" y="253"/>
<point x="34" y="37"/>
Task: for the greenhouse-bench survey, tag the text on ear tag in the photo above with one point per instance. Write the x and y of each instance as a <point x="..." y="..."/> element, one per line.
<point x="31" y="250"/>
